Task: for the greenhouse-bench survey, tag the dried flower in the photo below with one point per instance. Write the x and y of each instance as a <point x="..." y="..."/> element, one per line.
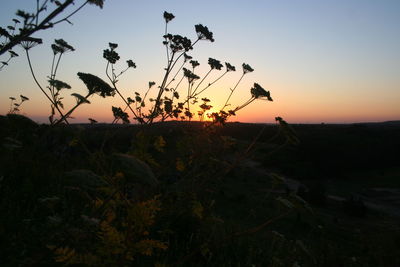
<point x="203" y="33"/>
<point x="194" y="63"/>
<point x="111" y="56"/>
<point x="229" y="67"/>
<point x="29" y="42"/>
<point x="179" y="43"/>
<point x="59" y="84"/>
<point x="214" y="64"/>
<point x="168" y="16"/>
<point x="120" y="114"/>
<point x="186" y="57"/>
<point x="63" y="46"/>
<point x="131" y="64"/>
<point x="113" y="46"/>
<point x="247" y="68"/>
<point x="190" y="75"/>
<point x="257" y="92"/>
<point x="96" y="85"/>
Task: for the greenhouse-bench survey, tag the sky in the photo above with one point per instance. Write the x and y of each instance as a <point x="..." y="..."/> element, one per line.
<point x="331" y="61"/>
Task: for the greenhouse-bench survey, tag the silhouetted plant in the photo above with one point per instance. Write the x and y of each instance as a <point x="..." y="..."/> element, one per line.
<point x="47" y="15"/>
<point x="169" y="102"/>
<point x="14" y="106"/>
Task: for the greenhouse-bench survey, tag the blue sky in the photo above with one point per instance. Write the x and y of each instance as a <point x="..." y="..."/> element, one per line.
<point x="323" y="61"/>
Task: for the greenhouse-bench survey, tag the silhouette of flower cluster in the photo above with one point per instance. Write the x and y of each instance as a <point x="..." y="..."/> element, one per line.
<point x="214" y="64"/>
<point x="186" y="57"/>
<point x="120" y="114"/>
<point x="61" y="46"/>
<point x="203" y="33"/>
<point x="229" y="67"/>
<point x="131" y="64"/>
<point x="98" y="3"/>
<point x="95" y="85"/>
<point x="194" y="63"/>
<point x="247" y="68"/>
<point x="257" y="92"/>
<point x="178" y="42"/>
<point x="30" y="42"/>
<point x="190" y="75"/>
<point x="168" y="16"/>
<point x="110" y="54"/>
<point x="59" y="84"/>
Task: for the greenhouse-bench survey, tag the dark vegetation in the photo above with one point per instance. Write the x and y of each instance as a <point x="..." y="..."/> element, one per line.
<point x="180" y="193"/>
<point x="185" y="193"/>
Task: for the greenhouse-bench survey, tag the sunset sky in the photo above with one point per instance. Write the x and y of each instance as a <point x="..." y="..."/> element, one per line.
<point x="329" y="61"/>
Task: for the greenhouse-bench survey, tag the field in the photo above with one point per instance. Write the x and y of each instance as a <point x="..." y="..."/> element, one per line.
<point x="192" y="194"/>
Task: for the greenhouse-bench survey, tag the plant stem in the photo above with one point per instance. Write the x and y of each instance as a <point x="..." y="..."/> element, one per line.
<point x="41" y="88"/>
<point x="232" y="90"/>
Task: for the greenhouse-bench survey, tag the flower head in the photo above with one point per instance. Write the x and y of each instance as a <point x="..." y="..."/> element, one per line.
<point x="62" y="46"/>
<point x="214" y="64"/>
<point x="179" y="43"/>
<point x="194" y="63"/>
<point x="96" y="85"/>
<point x="190" y="75"/>
<point x="168" y="16"/>
<point x="258" y="92"/>
<point x="111" y="56"/>
<point x="59" y="84"/>
<point x="29" y="42"/>
<point x="131" y="64"/>
<point x="229" y="67"/>
<point x="247" y="68"/>
<point x="203" y="33"/>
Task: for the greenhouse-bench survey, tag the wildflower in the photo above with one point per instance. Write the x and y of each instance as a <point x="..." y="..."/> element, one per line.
<point x="186" y="57"/>
<point x="203" y="33"/>
<point x="214" y="64"/>
<point x="179" y="43"/>
<point x="120" y="114"/>
<point x="151" y="84"/>
<point x="113" y="46"/>
<point x="30" y="42"/>
<point x="190" y="75"/>
<point x="247" y="68"/>
<point x="111" y="56"/>
<point x="96" y="85"/>
<point x="257" y="92"/>
<point x="229" y="67"/>
<point x="131" y="64"/>
<point x="16" y="21"/>
<point x="12" y="98"/>
<point x="59" y="84"/>
<point x="168" y="16"/>
<point x="63" y="46"/>
<point x="194" y="63"/>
